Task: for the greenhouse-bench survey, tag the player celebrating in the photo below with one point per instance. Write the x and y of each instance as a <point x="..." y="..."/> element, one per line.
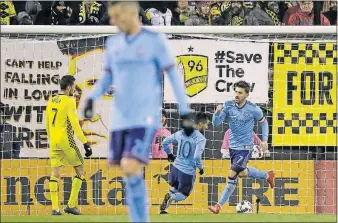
<point x="191" y="143"/>
<point x="61" y="121"/>
<point x="242" y="115"/>
<point x="134" y="61"/>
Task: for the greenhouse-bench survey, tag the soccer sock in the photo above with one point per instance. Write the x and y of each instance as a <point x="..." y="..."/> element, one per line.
<point x="257" y="174"/>
<point x="172" y="191"/>
<point x="137" y="198"/>
<point x="229" y="189"/>
<point x="74" y="195"/>
<point x="178" y="197"/>
<point x="53" y="188"/>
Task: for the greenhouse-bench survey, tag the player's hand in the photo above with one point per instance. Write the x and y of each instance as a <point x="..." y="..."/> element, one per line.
<point x="219" y="108"/>
<point x="201" y="171"/>
<point x="171" y="157"/>
<point x="88" y="150"/>
<point x="264" y="146"/>
<point x="88" y="109"/>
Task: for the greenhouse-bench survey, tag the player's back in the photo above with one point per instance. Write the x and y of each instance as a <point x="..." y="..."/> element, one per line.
<point x="137" y="64"/>
<point x="186" y="153"/>
<point x="59" y="126"/>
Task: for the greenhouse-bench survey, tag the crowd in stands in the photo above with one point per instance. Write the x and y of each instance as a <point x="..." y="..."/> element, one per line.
<point x="166" y="13"/>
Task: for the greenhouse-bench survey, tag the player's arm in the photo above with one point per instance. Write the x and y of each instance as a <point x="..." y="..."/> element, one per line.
<point x="198" y="154"/>
<point x="220" y="115"/>
<point x="166" y="62"/>
<point x="258" y="115"/>
<point x="74" y="121"/>
<point x="166" y="146"/>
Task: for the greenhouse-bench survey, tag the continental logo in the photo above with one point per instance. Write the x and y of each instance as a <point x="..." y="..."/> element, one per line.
<point x="194" y="68"/>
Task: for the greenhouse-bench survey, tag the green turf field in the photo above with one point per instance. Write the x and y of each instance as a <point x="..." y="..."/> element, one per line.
<point x="178" y="218"/>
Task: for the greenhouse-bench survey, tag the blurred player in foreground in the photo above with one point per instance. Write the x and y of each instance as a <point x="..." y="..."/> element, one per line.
<point x="134" y="61"/>
<point x="61" y="123"/>
<point x="191" y="143"/>
<point x="242" y="115"/>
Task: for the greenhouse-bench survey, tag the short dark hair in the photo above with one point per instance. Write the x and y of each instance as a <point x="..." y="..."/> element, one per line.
<point x="67" y="80"/>
<point x="201" y="118"/>
<point x="243" y="84"/>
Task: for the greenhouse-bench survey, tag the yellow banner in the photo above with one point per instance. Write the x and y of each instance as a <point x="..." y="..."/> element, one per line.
<point x="304" y="99"/>
<point x="25" y="189"/>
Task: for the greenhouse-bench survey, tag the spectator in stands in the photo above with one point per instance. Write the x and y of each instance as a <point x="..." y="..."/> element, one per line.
<point x="159" y="14"/>
<point x="202" y="17"/>
<point x="57" y="14"/>
<point x="24" y="19"/>
<point x="182" y="12"/>
<point x="304" y="15"/>
<point x="9" y="144"/>
<point x="265" y="13"/>
<point x="216" y="9"/>
<point x="142" y="15"/>
<point x="249" y="6"/>
<point x="157" y="150"/>
<point x="234" y="15"/>
<point x="292" y="9"/>
<point x="33" y="8"/>
<point x="87" y="12"/>
<point x="331" y="15"/>
<point x="7" y="13"/>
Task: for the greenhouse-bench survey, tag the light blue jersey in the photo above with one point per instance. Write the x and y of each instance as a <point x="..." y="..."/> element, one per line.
<point x="190" y="150"/>
<point x="241" y="123"/>
<point x="134" y="66"/>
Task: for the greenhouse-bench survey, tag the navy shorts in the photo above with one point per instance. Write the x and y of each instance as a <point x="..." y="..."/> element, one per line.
<point x="239" y="159"/>
<point x="182" y="182"/>
<point x="132" y="143"/>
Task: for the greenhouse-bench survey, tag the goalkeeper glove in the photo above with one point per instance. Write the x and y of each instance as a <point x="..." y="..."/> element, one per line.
<point x="201" y="171"/>
<point x="88" y="150"/>
<point x="171" y="157"/>
<point x="88" y="110"/>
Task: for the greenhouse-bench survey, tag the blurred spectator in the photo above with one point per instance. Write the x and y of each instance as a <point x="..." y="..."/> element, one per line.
<point x="331" y="15"/>
<point x="202" y="17"/>
<point x="24" y="19"/>
<point x="7" y="13"/>
<point x="87" y="12"/>
<point x="304" y="15"/>
<point x="9" y="145"/>
<point x="235" y="13"/>
<point x="57" y="14"/>
<point x="143" y="19"/>
<point x="216" y="10"/>
<point x="265" y="13"/>
<point x="159" y="14"/>
<point x="291" y="10"/>
<point x="249" y="6"/>
<point x="33" y="8"/>
<point x="182" y="12"/>
<point x="157" y="150"/>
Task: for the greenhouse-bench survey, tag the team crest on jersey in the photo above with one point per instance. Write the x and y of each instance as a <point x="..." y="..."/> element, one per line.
<point x="194" y="68"/>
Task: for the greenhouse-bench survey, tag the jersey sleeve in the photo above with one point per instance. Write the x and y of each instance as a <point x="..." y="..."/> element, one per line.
<point x="107" y="78"/>
<point x="217" y="119"/>
<point x="163" y="54"/>
<point x="200" y="145"/>
<point x="167" y="141"/>
<point x="74" y="121"/>
<point x="258" y="114"/>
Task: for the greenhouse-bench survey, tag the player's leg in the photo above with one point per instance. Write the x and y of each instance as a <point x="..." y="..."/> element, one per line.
<point x="173" y="182"/>
<point x="56" y="157"/>
<point x="75" y="159"/>
<point x="237" y="158"/>
<point x="136" y="153"/>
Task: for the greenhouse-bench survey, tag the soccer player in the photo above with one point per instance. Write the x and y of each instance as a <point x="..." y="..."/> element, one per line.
<point x="61" y="123"/>
<point x="191" y="143"/>
<point x="242" y="115"/>
<point x="134" y="61"/>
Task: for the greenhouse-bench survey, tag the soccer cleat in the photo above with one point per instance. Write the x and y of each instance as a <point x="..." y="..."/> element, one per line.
<point x="163" y="212"/>
<point x="55" y="212"/>
<point x="73" y="210"/>
<point x="271" y="179"/>
<point x="215" y="209"/>
<point x="165" y="202"/>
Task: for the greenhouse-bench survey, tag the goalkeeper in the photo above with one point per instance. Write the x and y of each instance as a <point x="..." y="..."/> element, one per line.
<point x="191" y="143"/>
<point x="61" y="123"/>
<point x="242" y="115"/>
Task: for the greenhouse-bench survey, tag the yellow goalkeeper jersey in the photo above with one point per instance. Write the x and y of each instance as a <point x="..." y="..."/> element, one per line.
<point x="62" y="121"/>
